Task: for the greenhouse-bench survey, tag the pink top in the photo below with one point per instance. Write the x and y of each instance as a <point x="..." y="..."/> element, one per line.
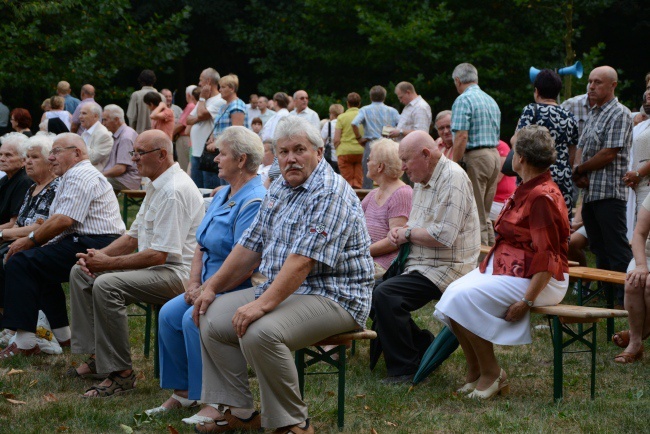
<point x="507" y="185"/>
<point x="183" y="119"/>
<point x="165" y="125"/>
<point x="397" y="205"/>
<point x="447" y="151"/>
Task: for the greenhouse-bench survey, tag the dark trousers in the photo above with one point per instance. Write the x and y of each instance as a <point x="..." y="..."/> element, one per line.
<point x="33" y="281"/>
<point x="606" y="227"/>
<point x="401" y="340"/>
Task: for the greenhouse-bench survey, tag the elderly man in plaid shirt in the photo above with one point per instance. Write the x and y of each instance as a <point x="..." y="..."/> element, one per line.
<point x="476" y="123"/>
<point x="603" y="152"/>
<point x="311" y="241"/>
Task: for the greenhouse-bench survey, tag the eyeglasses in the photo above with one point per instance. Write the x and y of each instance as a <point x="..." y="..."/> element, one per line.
<point x="141" y="153"/>
<point x="303" y="97"/>
<point x="57" y="151"/>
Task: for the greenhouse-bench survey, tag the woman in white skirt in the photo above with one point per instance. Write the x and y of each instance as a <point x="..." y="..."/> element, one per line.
<point x="526" y="267"/>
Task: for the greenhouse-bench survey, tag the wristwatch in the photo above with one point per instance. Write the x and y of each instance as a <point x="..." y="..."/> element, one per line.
<point x="31" y="237"/>
<point x="528" y="302"/>
<point x="407" y="234"/>
<point x="201" y="99"/>
<point x="1" y="237"/>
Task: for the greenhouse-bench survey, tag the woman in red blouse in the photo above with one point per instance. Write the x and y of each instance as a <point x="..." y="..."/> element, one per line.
<point x="526" y="267"/>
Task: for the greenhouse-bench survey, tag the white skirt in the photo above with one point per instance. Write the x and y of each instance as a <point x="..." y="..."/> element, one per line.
<point x="479" y="302"/>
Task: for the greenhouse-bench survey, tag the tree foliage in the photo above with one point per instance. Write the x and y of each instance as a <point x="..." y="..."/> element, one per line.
<point x="79" y="41"/>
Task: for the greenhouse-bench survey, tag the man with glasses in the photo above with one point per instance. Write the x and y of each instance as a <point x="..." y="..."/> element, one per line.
<point x="301" y="103"/>
<point x="120" y="169"/>
<point x="84" y="215"/>
<point x="148" y="264"/>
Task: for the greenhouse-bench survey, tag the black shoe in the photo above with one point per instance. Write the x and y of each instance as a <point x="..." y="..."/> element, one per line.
<point x="398" y="379"/>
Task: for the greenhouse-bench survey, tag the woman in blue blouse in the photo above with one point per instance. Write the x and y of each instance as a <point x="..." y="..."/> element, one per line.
<point x="232" y="210"/>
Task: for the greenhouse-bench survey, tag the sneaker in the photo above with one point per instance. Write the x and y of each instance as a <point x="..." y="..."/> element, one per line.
<point x="6" y="338"/>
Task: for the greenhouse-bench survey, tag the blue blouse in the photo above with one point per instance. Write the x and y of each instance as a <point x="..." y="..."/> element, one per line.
<point x="225" y="221"/>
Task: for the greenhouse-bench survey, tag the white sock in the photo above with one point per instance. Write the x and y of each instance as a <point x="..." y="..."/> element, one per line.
<point x="62" y="334"/>
<point x="25" y="340"/>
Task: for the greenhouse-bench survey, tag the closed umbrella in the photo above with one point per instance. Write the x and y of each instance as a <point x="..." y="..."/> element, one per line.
<point x="441" y="348"/>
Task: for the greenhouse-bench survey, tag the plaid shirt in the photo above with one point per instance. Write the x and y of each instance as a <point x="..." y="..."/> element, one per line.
<point x="416" y="116"/>
<point x="445" y="206"/>
<point x="321" y="219"/>
<point x="579" y="107"/>
<point x="223" y="121"/>
<point x="374" y="117"/>
<point x="477" y="113"/>
<point x="608" y="126"/>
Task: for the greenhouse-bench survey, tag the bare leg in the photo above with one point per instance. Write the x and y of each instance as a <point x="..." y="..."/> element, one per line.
<point x="635" y="306"/>
<point x="473" y="370"/>
<point x="484" y="351"/>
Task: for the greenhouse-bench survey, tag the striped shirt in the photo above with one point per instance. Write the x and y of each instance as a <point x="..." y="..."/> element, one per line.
<point x="477" y="113"/>
<point x="416" y="116"/>
<point x="374" y="117"/>
<point x="85" y="196"/>
<point x="445" y="207"/>
<point x="321" y="219"/>
<point x="579" y="107"/>
<point x="608" y="126"/>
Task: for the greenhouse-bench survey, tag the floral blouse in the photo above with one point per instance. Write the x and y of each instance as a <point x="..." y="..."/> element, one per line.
<point x="36" y="209"/>
<point x="532" y="232"/>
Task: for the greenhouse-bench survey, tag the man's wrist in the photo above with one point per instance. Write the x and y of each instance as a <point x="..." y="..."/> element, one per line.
<point x="33" y="239"/>
<point x="201" y="99"/>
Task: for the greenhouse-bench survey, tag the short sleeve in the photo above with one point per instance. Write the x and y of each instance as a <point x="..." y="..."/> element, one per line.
<point x="359" y="118"/>
<point x="399" y="204"/>
<point x="527" y="117"/>
<point x="461" y="114"/>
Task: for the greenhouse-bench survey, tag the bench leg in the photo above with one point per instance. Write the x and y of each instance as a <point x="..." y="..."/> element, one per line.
<point x="593" y="361"/>
<point x="609" y="294"/>
<point x="300" y="366"/>
<point x="558" y="379"/>
<point x="341" y="397"/>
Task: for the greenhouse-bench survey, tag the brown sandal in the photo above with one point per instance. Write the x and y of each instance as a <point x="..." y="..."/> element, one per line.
<point x="629" y="357"/>
<point x="230" y="423"/>
<point x="624" y="338"/>
<point x="73" y="373"/>
<point x="118" y="386"/>
<point x="295" y="429"/>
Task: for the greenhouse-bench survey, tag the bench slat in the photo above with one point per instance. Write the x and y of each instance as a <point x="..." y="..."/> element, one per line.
<point x="584" y="312"/>
<point x="597" y="274"/>
<point x="347" y="337"/>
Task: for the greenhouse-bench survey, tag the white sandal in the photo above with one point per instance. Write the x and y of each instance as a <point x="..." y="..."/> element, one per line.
<point x="197" y="419"/>
<point x="185" y="403"/>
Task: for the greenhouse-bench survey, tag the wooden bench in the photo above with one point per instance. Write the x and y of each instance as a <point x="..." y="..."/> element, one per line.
<point x="560" y="317"/>
<point x="596" y="274"/>
<point x="319" y="354"/>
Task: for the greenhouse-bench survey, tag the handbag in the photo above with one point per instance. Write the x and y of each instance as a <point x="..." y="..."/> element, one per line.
<point x="397" y="266"/>
<point x="206" y="160"/>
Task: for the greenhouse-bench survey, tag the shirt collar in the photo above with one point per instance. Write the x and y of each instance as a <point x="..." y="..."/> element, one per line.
<point x="415" y="100"/>
<point x="314" y="180"/>
<point x="525" y="188"/>
<point x="92" y="129"/>
<point x="120" y="130"/>
<point x="159" y="182"/>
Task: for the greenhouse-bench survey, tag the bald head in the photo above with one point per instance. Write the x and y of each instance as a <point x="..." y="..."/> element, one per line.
<point x="157" y="139"/>
<point x="419" y="155"/>
<point x="87" y="91"/>
<point x="602" y="84"/>
<point x="68" y="149"/>
<point x="153" y="153"/>
<point x="63" y="88"/>
<point x="72" y="139"/>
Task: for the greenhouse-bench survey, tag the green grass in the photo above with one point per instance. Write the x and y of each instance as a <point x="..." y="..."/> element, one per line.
<point x="621" y="404"/>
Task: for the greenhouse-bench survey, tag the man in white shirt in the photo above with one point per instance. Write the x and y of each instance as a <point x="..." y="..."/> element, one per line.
<point x="281" y="101"/>
<point x="416" y="114"/>
<point x="202" y="121"/>
<point x="148" y="264"/>
<point x="252" y="109"/>
<point x="98" y="139"/>
<point x="301" y="102"/>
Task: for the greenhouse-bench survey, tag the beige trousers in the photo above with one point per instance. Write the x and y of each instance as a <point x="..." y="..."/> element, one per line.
<point x="483" y="167"/>
<point x="98" y="310"/>
<point x="183" y="151"/>
<point x="297" y="322"/>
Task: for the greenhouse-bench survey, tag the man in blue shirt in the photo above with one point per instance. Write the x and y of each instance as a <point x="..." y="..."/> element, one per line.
<point x="476" y="123"/>
<point x="71" y="103"/>
<point x="373" y="117"/>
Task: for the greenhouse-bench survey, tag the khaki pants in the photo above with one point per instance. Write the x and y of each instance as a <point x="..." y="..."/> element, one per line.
<point x="99" y="322"/>
<point x="297" y="322"/>
<point x="183" y="151"/>
<point x="483" y="167"/>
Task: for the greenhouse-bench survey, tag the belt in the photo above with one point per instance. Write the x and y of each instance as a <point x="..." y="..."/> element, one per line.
<point x="479" y="147"/>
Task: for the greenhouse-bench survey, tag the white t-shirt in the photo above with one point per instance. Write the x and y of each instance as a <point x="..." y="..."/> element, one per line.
<point x="200" y="131"/>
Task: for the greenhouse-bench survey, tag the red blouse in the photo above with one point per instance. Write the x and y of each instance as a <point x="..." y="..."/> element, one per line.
<point x="532" y="232"/>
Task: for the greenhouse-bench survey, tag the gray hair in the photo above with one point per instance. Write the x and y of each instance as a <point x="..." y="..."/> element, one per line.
<point x="115" y="111"/>
<point x="385" y="151"/>
<point x="441" y="115"/>
<point x="466" y="73"/>
<point x="243" y="141"/>
<point x="536" y="145"/>
<point x="213" y="75"/>
<point x="43" y="141"/>
<point x="189" y="89"/>
<point x="94" y="108"/>
<point x="17" y="140"/>
<point x="290" y="127"/>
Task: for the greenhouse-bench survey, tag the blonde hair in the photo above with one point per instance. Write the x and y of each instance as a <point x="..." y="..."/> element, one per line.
<point x="230" y="80"/>
<point x="385" y="151"/>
